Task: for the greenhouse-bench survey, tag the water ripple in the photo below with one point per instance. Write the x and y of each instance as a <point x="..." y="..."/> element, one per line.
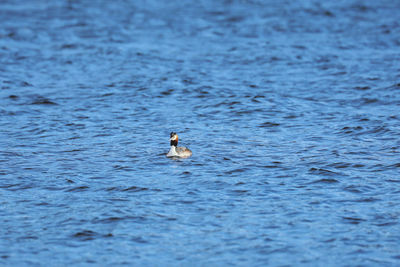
<point x="289" y="109"/>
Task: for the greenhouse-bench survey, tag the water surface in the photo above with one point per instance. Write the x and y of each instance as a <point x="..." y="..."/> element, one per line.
<point x="291" y="110"/>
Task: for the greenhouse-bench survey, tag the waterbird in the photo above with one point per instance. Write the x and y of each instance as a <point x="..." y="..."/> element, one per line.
<point x="175" y="150"/>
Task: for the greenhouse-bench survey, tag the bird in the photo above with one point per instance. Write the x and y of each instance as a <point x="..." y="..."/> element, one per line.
<point x="175" y="150"/>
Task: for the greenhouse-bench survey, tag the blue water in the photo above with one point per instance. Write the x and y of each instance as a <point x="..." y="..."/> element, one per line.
<point x="291" y="109"/>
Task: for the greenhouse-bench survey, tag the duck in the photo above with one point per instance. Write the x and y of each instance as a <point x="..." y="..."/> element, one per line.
<point x="175" y="150"/>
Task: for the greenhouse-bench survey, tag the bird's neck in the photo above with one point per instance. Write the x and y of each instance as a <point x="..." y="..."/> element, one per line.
<point x="174" y="143"/>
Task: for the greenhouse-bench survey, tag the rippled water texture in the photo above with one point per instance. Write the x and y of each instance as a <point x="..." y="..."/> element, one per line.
<point x="291" y="109"/>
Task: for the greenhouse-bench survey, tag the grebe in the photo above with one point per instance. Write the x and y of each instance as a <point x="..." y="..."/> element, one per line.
<point x="175" y="151"/>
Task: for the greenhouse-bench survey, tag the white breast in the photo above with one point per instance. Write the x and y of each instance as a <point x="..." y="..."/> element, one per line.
<point x="172" y="152"/>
